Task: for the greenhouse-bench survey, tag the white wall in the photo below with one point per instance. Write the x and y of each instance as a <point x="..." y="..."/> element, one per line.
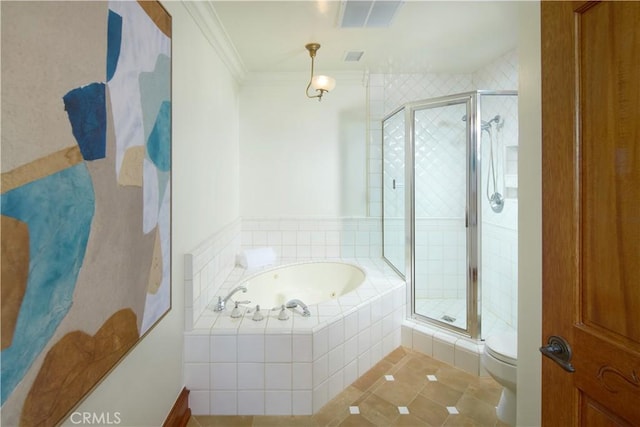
<point x="530" y="213"/>
<point x="144" y="386"/>
<point x="300" y="157"/>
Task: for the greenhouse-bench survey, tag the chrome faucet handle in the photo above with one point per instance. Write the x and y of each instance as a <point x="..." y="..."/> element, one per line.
<point x="257" y="315"/>
<point x="237" y="311"/>
<point x="283" y="313"/>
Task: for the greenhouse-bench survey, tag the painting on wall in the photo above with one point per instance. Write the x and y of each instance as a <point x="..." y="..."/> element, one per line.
<point x="85" y="196"/>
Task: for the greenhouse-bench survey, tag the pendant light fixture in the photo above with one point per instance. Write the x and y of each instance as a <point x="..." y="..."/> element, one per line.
<point x="320" y="83"/>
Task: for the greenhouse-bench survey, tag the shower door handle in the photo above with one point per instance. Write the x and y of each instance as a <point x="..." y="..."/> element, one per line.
<point x="398" y="185"/>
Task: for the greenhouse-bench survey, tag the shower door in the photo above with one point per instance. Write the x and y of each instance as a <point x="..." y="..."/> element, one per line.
<point x="393" y="190"/>
<point x="443" y="205"/>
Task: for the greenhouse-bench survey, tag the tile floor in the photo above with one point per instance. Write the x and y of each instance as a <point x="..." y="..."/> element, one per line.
<point x="405" y="389"/>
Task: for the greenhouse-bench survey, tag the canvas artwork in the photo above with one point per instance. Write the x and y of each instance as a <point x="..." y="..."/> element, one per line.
<point x="85" y="196"/>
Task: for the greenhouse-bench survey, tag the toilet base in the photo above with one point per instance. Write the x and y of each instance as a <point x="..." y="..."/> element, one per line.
<point x="506" y="409"/>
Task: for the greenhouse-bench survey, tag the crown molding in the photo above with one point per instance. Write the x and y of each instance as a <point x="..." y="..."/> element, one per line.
<point x="207" y="20"/>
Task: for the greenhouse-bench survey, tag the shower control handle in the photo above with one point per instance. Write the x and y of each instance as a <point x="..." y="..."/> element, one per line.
<point x="559" y="350"/>
<point x="394" y="183"/>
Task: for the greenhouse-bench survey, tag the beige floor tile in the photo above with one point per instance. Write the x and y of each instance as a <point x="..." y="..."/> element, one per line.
<point x="463" y="421"/>
<point x="456" y="378"/>
<point x="396" y="392"/>
<point x="411" y="420"/>
<point x="481" y="412"/>
<point x="283" y="421"/>
<point x="224" y="420"/>
<point x="441" y="393"/>
<point x="486" y="389"/>
<point x="396" y="355"/>
<point x="378" y="411"/>
<point x="356" y="421"/>
<point x="428" y="411"/>
<point x="372" y="375"/>
<point x="334" y="412"/>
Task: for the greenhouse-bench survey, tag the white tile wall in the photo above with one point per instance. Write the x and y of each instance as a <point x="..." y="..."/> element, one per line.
<point x="206" y="268"/>
<point x="299" y="239"/>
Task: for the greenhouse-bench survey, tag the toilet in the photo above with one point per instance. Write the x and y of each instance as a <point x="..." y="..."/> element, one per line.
<point x="499" y="359"/>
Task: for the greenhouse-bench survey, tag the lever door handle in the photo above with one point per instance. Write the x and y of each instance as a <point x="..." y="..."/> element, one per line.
<point x="559" y="350"/>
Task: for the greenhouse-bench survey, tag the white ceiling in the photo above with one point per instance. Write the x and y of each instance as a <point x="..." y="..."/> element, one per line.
<point x="425" y="36"/>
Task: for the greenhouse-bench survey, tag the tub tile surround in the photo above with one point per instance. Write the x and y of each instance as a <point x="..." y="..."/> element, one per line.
<point x="244" y="367"/>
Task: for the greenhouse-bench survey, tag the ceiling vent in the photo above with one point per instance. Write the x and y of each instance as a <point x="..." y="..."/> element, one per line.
<point x="353" y="55"/>
<point x="368" y="13"/>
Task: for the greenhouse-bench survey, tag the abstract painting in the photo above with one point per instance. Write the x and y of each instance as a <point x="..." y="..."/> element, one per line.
<point x="85" y="196"/>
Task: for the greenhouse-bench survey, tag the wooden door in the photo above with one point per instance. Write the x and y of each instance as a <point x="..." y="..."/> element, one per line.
<point x="591" y="210"/>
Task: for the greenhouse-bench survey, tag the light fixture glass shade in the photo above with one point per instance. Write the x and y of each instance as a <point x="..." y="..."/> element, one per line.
<point x="324" y="83"/>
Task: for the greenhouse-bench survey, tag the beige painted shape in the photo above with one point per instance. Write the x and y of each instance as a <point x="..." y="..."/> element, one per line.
<point x="131" y="169"/>
<point x="41" y="168"/>
<point x="15" y="272"/>
<point x="74" y="365"/>
<point x="155" y="272"/>
<point x="158" y="15"/>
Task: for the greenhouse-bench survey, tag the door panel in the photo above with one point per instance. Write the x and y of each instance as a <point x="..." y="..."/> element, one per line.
<point x="393" y="198"/>
<point x="591" y="210"/>
<point x="440" y="195"/>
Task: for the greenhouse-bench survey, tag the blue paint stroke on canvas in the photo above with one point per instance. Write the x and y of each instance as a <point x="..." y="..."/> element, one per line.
<point x="88" y="116"/>
<point x="159" y="143"/>
<point x="154" y="90"/>
<point x="58" y="210"/>
<point x="114" y="41"/>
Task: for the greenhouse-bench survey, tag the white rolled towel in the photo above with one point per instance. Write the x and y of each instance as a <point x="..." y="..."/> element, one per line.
<point x="258" y="257"/>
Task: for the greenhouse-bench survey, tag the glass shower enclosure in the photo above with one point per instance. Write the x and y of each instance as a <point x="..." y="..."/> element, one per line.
<point x="435" y="194"/>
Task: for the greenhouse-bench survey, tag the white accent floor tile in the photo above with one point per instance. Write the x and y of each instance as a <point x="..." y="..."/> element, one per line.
<point x="389" y="378"/>
<point x="452" y="410"/>
<point x="403" y="410"/>
<point x="432" y="378"/>
<point x="354" y="410"/>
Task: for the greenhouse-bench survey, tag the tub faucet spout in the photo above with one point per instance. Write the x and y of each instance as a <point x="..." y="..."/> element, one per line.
<point x="222" y="302"/>
<point x="295" y="303"/>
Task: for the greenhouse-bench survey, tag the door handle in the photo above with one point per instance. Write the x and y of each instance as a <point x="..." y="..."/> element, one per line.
<point x="559" y="350"/>
<point x="394" y="184"/>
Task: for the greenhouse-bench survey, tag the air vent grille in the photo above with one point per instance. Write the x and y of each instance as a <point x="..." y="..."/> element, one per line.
<point x="368" y="13"/>
<point x="353" y="56"/>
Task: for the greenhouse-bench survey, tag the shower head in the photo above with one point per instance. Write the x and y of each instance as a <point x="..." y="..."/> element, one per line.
<point x="486" y="125"/>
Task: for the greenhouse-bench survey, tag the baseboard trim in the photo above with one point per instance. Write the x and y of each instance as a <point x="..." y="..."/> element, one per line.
<point x="180" y="413"/>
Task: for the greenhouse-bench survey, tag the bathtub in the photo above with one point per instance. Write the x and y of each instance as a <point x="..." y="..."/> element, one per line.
<point x="293" y="366"/>
<point x="311" y="282"/>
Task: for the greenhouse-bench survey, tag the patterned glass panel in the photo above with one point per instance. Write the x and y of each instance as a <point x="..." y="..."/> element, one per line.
<point x="393" y="137"/>
<point x="440" y="206"/>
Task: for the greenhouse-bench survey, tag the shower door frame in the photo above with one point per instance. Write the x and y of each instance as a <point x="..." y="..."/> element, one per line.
<point x="472" y="210"/>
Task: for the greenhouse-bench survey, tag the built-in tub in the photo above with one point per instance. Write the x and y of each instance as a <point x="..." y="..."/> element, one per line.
<point x="293" y="366"/>
<point x="311" y="282"/>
